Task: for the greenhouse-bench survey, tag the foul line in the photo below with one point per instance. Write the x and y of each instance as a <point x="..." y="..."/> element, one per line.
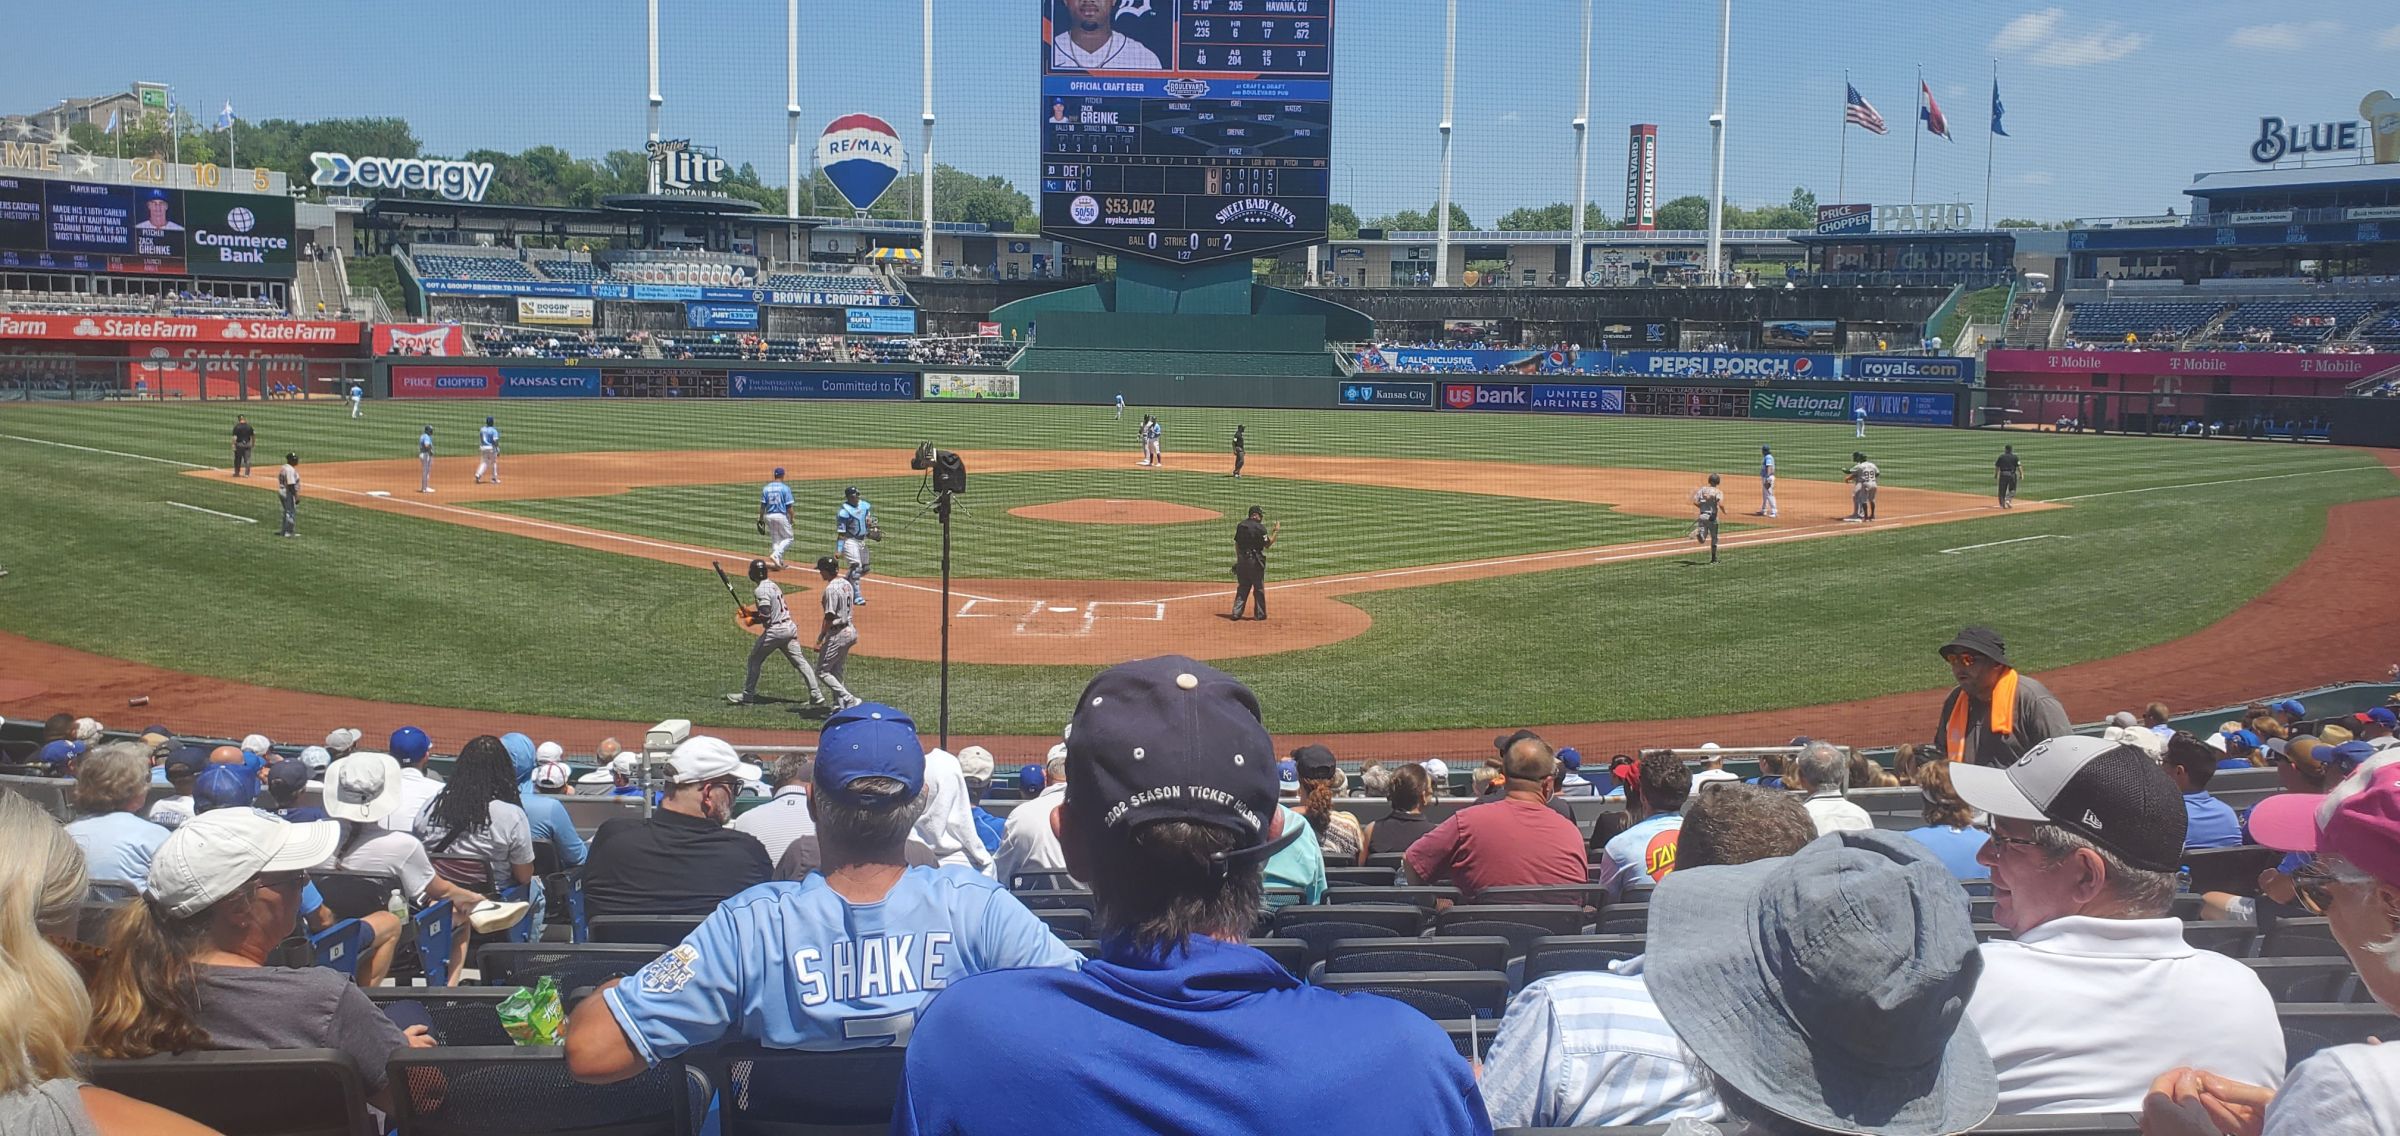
<point x="111" y="453"/>
<point x="1998" y="543"/>
<point x="214" y="513"/>
<point x="2228" y="481"/>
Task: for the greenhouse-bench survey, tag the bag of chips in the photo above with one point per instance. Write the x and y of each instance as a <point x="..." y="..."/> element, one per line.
<point x="534" y="1015"/>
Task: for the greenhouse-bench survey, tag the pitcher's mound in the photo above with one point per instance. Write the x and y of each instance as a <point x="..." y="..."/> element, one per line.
<point x="1112" y="511"/>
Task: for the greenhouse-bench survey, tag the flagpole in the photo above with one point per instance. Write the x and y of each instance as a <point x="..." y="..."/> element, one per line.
<point x="1841" y="190"/>
<point x="1916" y="135"/>
<point x="1991" y="142"/>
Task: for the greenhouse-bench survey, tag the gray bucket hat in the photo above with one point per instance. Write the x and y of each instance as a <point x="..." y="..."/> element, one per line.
<point x="1829" y="986"/>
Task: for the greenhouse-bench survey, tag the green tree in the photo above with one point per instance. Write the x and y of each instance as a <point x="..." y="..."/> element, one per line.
<point x="1341" y="222"/>
<point x="1558" y="216"/>
<point x="1411" y="220"/>
<point x="2022" y="223"/>
<point x="1687" y="212"/>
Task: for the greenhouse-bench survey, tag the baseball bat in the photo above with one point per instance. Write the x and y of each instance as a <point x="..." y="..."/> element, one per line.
<point x="728" y="582"/>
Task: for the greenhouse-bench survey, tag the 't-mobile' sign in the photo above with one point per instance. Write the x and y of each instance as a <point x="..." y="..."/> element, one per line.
<point x="2230" y="364"/>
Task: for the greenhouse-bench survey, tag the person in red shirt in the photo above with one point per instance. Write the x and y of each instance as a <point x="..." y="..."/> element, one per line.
<point x="1513" y="841"/>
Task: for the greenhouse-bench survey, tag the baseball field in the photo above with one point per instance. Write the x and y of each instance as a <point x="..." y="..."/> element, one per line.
<point x="1434" y="571"/>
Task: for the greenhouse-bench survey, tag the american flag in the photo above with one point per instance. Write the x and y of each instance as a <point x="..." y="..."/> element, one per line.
<point x="1857" y="109"/>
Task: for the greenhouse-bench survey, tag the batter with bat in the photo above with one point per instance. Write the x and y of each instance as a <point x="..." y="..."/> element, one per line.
<point x="776" y="632"/>
<point x="1251" y="540"/>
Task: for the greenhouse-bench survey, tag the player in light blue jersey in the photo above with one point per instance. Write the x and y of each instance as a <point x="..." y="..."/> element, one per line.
<point x="357" y="395"/>
<point x="841" y="960"/>
<point x="1858" y="414"/>
<point x="487" y="451"/>
<point x="853" y="527"/>
<point x="1120" y="406"/>
<point x="1766" y="482"/>
<point x="775" y="518"/>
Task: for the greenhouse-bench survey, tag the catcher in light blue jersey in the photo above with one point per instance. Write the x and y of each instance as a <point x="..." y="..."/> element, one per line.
<point x="843" y="959"/>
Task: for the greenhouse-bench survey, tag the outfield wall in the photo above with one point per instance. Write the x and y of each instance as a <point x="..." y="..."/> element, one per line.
<point x="1886" y="403"/>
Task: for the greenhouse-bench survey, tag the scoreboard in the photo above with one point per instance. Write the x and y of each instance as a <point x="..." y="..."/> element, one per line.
<point x="78" y="226"/>
<point x="1187" y="131"/>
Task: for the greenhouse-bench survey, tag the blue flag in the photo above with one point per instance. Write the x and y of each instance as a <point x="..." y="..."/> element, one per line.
<point x="112" y="121"/>
<point x="1997" y="109"/>
<point x="225" y="116"/>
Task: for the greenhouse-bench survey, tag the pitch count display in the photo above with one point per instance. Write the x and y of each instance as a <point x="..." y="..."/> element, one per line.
<point x="1187" y="131"/>
<point x="92" y="227"/>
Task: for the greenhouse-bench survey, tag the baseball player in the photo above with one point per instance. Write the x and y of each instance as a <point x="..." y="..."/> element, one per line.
<point x="425" y="461"/>
<point x="287" y="482"/>
<point x="2006" y="472"/>
<point x="1144" y="435"/>
<point x="775" y="518"/>
<point x="1766" y="482"/>
<point x="1120" y="406"/>
<point x="1862" y="477"/>
<point x="244" y="437"/>
<point x="1710" y="499"/>
<point x="488" y="450"/>
<point x="1158" y="442"/>
<point x="853" y="527"/>
<point x="776" y="632"/>
<point x="357" y="395"/>
<point x="836" y="635"/>
<point x="1241" y="451"/>
<point x="1858" y="414"/>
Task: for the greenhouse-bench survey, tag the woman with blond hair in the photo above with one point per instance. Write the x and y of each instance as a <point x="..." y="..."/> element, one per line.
<point x="43" y="1008"/>
<point x="1949" y="824"/>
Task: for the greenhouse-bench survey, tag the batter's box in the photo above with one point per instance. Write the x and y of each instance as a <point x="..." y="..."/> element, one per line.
<point x="1064" y="620"/>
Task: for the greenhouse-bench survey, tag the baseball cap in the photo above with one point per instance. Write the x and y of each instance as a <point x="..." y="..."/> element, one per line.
<point x="59" y="752"/>
<point x="363" y="787"/>
<point x="870" y="740"/>
<point x="2379" y="715"/>
<point x="288" y="778"/>
<point x="2112" y="795"/>
<point x="702" y="758"/>
<point x="1983" y="641"/>
<point x="1570" y="757"/>
<point x="2335" y="735"/>
<point x="1503" y="741"/>
<point x="550" y="751"/>
<point x="779" y="472"/>
<point x="156" y="736"/>
<point x="1829" y="986"/>
<point x="209" y="856"/>
<point x="409" y="745"/>
<point x="256" y="745"/>
<point x="1314" y="762"/>
<point x="2340" y="760"/>
<point x="2124" y="719"/>
<point x="2240" y="739"/>
<point x="343" y="740"/>
<point x="88" y="730"/>
<point x="313" y="758"/>
<point x="2358" y="821"/>
<point x="849" y="489"/>
<point x="975" y="763"/>
<point x="2291" y="706"/>
<point x="186" y="761"/>
<point x="224" y="787"/>
<point x="1173" y="738"/>
<point x="550" y="775"/>
<point x="1287" y="773"/>
<point x="1031" y="779"/>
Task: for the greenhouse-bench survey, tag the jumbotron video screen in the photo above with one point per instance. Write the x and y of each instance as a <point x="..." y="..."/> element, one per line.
<point x="1187" y="131"/>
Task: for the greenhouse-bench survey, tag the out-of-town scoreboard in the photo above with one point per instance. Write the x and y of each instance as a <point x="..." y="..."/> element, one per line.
<point x="1187" y="131"/>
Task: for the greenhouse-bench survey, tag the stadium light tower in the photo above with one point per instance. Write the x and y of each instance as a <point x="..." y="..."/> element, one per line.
<point x="791" y="129"/>
<point x="655" y="100"/>
<point x="1441" y="222"/>
<point x="925" y="167"/>
<point x="1583" y="156"/>
<point x="1716" y="128"/>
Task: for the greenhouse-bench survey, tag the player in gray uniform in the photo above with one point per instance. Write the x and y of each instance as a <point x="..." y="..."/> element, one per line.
<point x="287" y="482"/>
<point x="1710" y="500"/>
<point x="1863" y="477"/>
<point x="425" y="461"/>
<point x="776" y="632"/>
<point x="836" y="635"/>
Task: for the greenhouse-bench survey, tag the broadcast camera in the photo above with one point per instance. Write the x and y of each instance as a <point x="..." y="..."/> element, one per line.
<point x="949" y="472"/>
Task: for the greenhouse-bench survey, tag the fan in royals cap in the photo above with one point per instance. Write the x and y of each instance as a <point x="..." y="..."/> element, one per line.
<point x="1179" y="1026"/>
<point x="840" y="960"/>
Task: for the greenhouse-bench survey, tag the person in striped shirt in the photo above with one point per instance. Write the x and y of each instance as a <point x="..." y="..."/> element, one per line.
<point x="1591" y="1049"/>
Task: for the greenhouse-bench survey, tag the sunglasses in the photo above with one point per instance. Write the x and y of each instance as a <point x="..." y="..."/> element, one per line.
<point x="2005" y="840"/>
<point x="284" y="881"/>
<point x="2313" y="886"/>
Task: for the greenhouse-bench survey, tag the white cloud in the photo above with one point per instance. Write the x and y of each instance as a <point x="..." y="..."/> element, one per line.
<point x="1511" y="116"/>
<point x="2390" y="39"/>
<point x="2045" y="39"/>
<point x="2284" y="37"/>
<point x="2037" y="177"/>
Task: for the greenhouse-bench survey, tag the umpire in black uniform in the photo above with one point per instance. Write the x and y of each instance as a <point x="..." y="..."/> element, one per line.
<point x="1251" y="540"/>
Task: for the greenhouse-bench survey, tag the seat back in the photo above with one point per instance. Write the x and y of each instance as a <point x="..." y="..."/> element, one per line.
<point x="661" y="931"/>
<point x="2299" y="937"/>
<point x="1042" y="881"/>
<point x="1566" y="894"/>
<point x="1552" y="918"/>
<point x="2309" y="1027"/>
<point x="1041" y="898"/>
<point x="2309" y="979"/>
<point x="1396" y="861"/>
<point x="1398" y="918"/>
<point x="516" y="1090"/>
<point x="1370" y="876"/>
<point x="1369" y="956"/>
<point x="2062" y="1124"/>
<point x="354" y="895"/>
<point x="1066" y="922"/>
<point x="1421" y="895"/>
<point x="343" y="946"/>
<point x="2229" y="937"/>
<point x="462" y="1015"/>
<point x="1439" y="995"/>
<point x="436" y="925"/>
<point x="781" y="1092"/>
<point x="2232" y="870"/>
<point x="1624" y="918"/>
<point x="571" y="965"/>
<point x="249" y="1092"/>
<point x="1560" y="954"/>
<point x="1318" y="937"/>
<point x="1291" y="954"/>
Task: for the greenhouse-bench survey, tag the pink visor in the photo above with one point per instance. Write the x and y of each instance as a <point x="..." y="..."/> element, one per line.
<point x="2362" y="826"/>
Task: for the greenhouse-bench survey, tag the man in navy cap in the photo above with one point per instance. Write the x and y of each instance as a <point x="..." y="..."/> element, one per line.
<point x="840" y="960"/>
<point x="1178" y="1026"/>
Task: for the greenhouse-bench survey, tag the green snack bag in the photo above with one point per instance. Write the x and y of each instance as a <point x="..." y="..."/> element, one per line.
<point x="533" y="1016"/>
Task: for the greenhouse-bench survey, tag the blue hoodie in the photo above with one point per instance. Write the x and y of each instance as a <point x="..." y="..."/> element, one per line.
<point x="548" y="816"/>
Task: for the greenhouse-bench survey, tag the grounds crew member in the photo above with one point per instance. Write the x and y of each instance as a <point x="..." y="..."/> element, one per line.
<point x="1996" y="713"/>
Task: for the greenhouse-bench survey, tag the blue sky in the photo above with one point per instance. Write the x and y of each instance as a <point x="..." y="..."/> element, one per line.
<point x="2112" y="104"/>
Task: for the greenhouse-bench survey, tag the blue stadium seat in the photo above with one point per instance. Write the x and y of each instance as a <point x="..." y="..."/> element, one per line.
<point x="438" y="266"/>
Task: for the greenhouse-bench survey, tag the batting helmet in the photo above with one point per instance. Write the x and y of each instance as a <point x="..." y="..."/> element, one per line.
<point x="1858" y="455"/>
<point x="758" y="570"/>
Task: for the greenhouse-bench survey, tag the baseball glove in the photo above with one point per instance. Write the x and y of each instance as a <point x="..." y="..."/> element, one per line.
<point x="762" y="528"/>
<point x="874" y="531"/>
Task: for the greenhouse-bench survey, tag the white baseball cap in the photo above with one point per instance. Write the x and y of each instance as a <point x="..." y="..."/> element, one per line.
<point x="363" y="787"/>
<point x="316" y="758"/>
<point x="256" y="743"/>
<point x="550" y="751"/>
<point x="550" y="775"/>
<point x="625" y="765"/>
<point x="975" y="763"/>
<point x="342" y="740"/>
<point x="213" y="854"/>
<point x="88" y="730"/>
<point x="1058" y="752"/>
<point x="703" y="758"/>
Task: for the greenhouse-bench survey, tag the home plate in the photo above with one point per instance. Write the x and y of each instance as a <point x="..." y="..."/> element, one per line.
<point x="378" y="493"/>
<point x="1065" y="610"/>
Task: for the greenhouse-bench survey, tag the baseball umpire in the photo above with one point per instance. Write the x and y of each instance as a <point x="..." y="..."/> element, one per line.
<point x="2007" y="471"/>
<point x="1251" y="540"/>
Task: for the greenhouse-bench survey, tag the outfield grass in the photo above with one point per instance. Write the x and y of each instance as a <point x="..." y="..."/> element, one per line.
<point x="384" y="605"/>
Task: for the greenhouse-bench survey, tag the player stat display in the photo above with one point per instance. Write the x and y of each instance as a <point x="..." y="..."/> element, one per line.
<point x="1187" y="131"/>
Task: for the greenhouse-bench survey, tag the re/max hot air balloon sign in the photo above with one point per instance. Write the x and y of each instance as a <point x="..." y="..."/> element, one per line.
<point x="861" y="156"/>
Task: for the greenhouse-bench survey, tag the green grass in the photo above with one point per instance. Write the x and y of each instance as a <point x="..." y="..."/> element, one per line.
<point x="390" y="606"/>
<point x="1328" y="528"/>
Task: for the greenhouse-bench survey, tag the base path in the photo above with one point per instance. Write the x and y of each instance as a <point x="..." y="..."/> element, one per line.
<point x="1098" y="622"/>
<point x="2346" y="582"/>
<point x="1114" y="511"/>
